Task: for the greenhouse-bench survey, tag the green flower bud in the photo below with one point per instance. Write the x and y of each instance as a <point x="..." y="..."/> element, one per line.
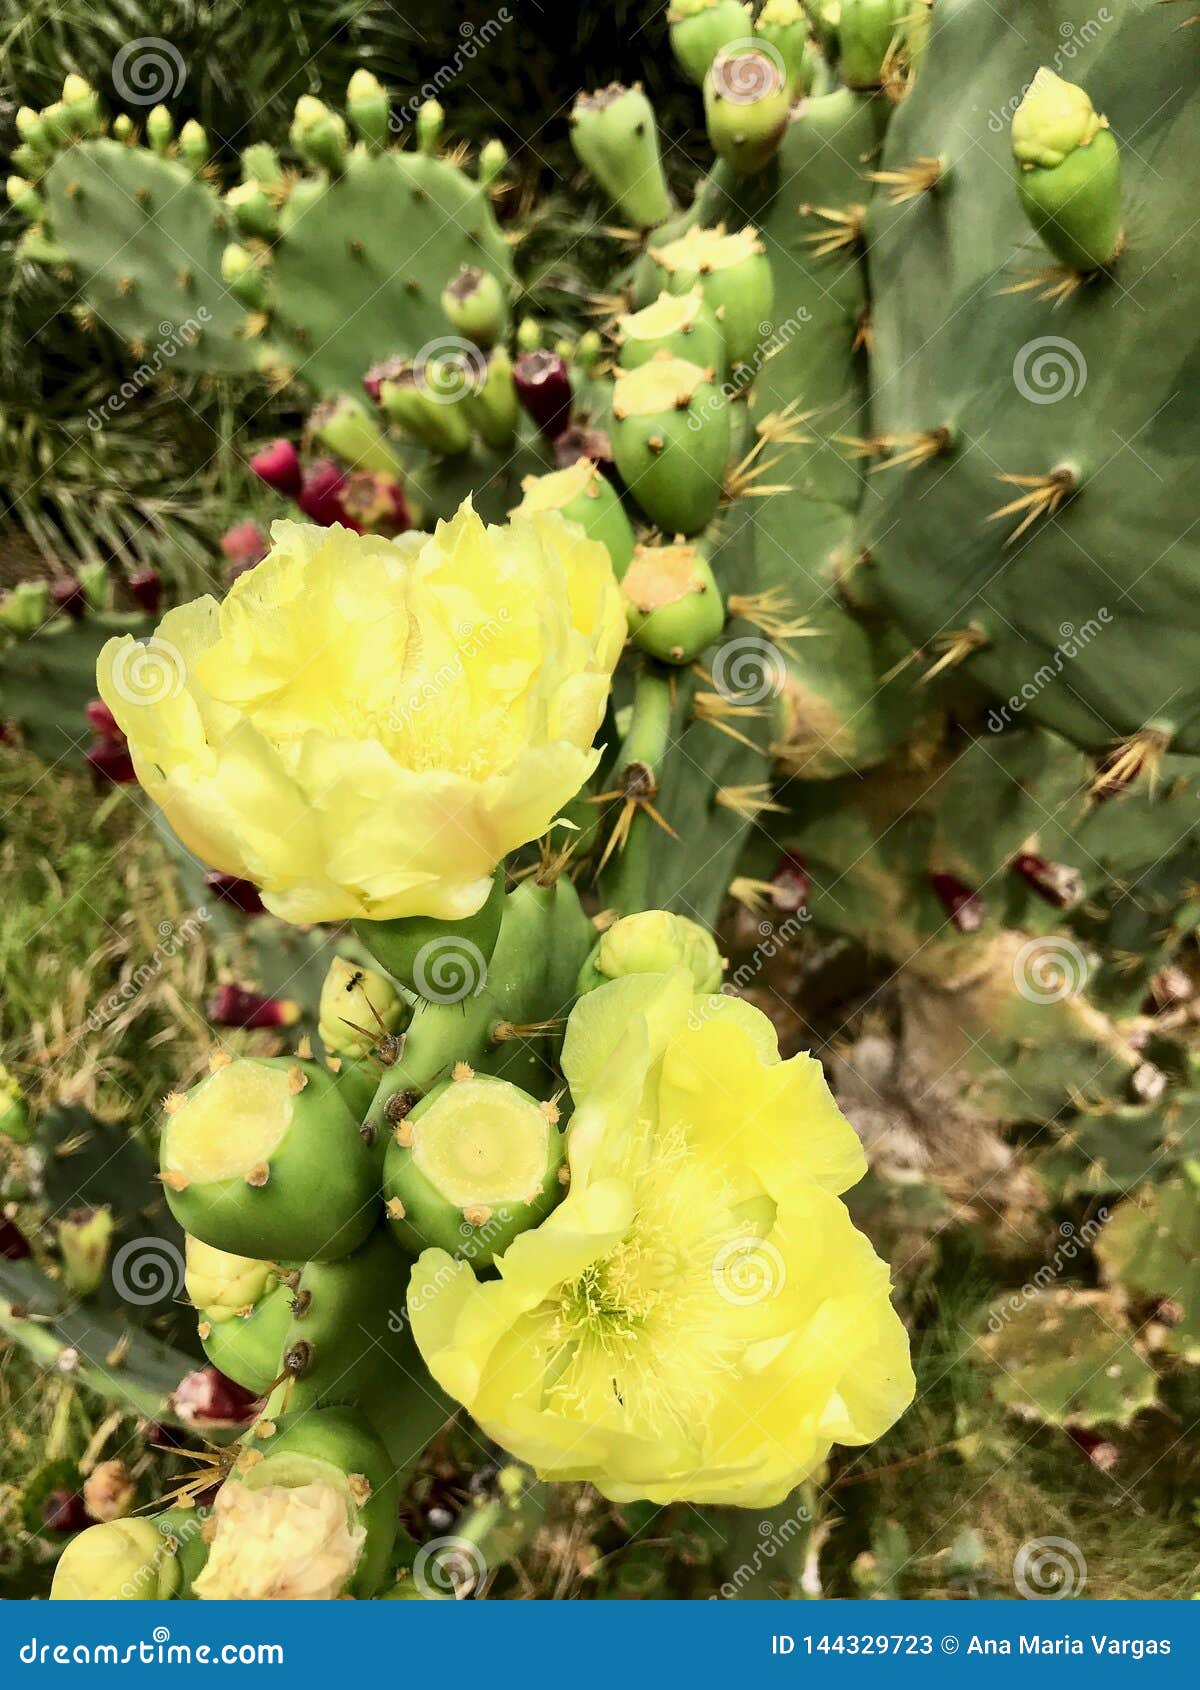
<point x="193" y="145"/>
<point x="493" y="157"/>
<point x="431" y="120"/>
<point x="529" y="335"/>
<point x="866" y="32"/>
<point x="345" y="427"/>
<point x="474" y="1164"/>
<point x="260" y="163"/>
<point x="243" y="277"/>
<point x="699" y="29"/>
<point x="25" y="198"/>
<point x="1068" y="173"/>
<point x="782" y="26"/>
<point x="653" y="942"/>
<point x="160" y="129"/>
<point x="93" y="578"/>
<point x="84" y="1237"/>
<point x="319" y="135"/>
<point x="358" y="1008"/>
<point x="120" y="1561"/>
<point x="584" y="495"/>
<point x="367" y="103"/>
<point x="253" y="210"/>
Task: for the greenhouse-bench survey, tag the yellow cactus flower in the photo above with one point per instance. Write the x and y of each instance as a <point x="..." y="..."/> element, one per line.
<point x="365" y="727"/>
<point x="698" y="1319"/>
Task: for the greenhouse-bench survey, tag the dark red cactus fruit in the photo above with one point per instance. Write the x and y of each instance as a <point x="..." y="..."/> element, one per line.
<point x="279" y="466"/>
<point x="241" y="895"/>
<point x="1057" y="883"/>
<point x="207" y="1398"/>
<point x="543" y="386"/>
<point x="234" y="1006"/>
<point x="387" y="369"/>
<point x="146" y="590"/>
<point x="579" y="441"/>
<point x="63" y="1511"/>
<point x="109" y="760"/>
<point x="963" y="905"/>
<point x="8" y="733"/>
<point x="101" y="718"/>
<point x="375" y="504"/>
<point x="790" y="884"/>
<point x="1102" y="1454"/>
<point x="321" y="495"/>
<point x="14" y="1246"/>
<point x="69" y="597"/>
<point x="244" y="546"/>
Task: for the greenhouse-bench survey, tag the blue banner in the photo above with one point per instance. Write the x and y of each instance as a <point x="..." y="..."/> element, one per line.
<point x="608" y="1646"/>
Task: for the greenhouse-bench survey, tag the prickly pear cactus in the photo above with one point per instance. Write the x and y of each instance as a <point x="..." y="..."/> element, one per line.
<point x="807" y="596"/>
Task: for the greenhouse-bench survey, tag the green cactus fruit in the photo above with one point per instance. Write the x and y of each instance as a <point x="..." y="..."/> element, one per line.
<point x="584" y="495"/>
<point x="783" y="27"/>
<point x="338" y="1339"/>
<point x="248" y="1346"/>
<point x="474" y="1164"/>
<point x="368" y="108"/>
<point x="24" y="609"/>
<point x="263" y="1158"/>
<point x="14" y="1111"/>
<point x="84" y="1240"/>
<point x="682" y="325"/>
<point x="654" y="942"/>
<point x="253" y="210"/>
<point x="670" y="437"/>
<point x="734" y="274"/>
<point x="77" y="114"/>
<point x="24" y="197"/>
<point x="193" y="146"/>
<point x="672" y="602"/>
<point x="492" y="407"/>
<point x="160" y="130"/>
<point x="866" y="32"/>
<point x="244" y="1313"/>
<point x="431" y="120"/>
<point x="427" y="405"/>
<point x="243" y="276"/>
<point x="312" y="1515"/>
<point x="616" y="140"/>
<point x="359" y="1008"/>
<point x="183" y="1541"/>
<point x="319" y="134"/>
<point x="119" y="1561"/>
<point x="699" y="29"/>
<point x="747" y="98"/>
<point x="529" y="335"/>
<point x="1068" y="172"/>
<point x="475" y="305"/>
<point x="346" y="428"/>
<point x="424" y="954"/>
<point x="493" y="156"/>
<point x="32" y="130"/>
